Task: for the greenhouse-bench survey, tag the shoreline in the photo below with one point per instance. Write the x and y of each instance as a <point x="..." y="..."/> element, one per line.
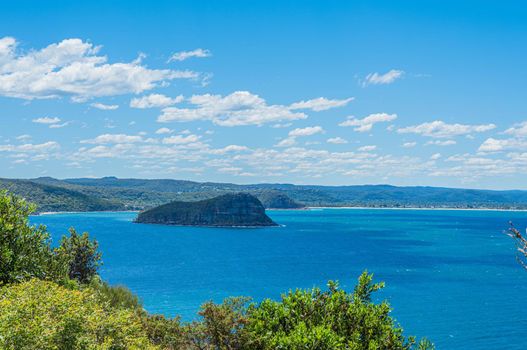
<point x="305" y="208"/>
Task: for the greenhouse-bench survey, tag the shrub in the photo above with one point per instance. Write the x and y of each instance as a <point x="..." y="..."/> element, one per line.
<point x="43" y="315"/>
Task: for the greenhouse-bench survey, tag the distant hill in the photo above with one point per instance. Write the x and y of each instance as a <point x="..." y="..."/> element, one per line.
<point x="238" y="209"/>
<point x="139" y="194"/>
<point x="52" y="198"/>
<point x="272" y="199"/>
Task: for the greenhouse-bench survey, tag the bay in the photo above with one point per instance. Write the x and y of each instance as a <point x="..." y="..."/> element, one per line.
<point x="450" y="275"/>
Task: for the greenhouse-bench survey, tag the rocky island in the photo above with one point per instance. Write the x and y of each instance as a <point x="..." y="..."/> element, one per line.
<point x="233" y="210"/>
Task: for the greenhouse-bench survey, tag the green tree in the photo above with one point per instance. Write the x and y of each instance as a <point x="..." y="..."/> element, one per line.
<point x="24" y="249"/>
<point x="80" y="254"/>
<point x="331" y="319"/>
<point x="43" y="315"/>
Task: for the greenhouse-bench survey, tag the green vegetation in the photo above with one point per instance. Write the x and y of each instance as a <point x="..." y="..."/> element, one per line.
<point x="54" y="299"/>
<point x="521" y="245"/>
<point x="240" y="209"/>
<point x="110" y="193"/>
<point x="50" y="198"/>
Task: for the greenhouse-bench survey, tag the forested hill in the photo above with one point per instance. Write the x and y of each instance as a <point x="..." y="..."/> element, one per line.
<point x="54" y="198"/>
<point x="110" y="193"/>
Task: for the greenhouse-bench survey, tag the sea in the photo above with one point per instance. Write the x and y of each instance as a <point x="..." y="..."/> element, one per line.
<point x="451" y="275"/>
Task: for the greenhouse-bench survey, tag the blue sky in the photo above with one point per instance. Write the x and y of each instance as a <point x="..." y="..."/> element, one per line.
<point x="308" y="92"/>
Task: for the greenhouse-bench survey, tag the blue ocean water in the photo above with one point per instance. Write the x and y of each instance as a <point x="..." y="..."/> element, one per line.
<point x="450" y="275"/>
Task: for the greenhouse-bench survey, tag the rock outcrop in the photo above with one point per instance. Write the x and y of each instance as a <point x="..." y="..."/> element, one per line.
<point x="240" y="209"/>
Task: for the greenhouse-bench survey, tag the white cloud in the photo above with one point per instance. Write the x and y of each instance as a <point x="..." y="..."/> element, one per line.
<point x="180" y="139"/>
<point x="497" y="145"/>
<point x="382" y="79"/>
<point x="441" y="143"/>
<point x="320" y="104"/>
<point x="163" y="131"/>
<point x="184" y="55"/>
<point x="155" y="100"/>
<point x="409" y="144"/>
<point x="366" y="123"/>
<point x="440" y="129"/>
<point x="46" y="120"/>
<point x="518" y="130"/>
<point x="114" y="138"/>
<point x="367" y="148"/>
<point x="287" y="142"/>
<point x="104" y="107"/>
<point x="24" y="137"/>
<point x="43" y="149"/>
<point x="307" y="131"/>
<point x="336" y="140"/>
<point x="230" y="149"/>
<point x="435" y="156"/>
<point x="74" y="68"/>
<point x="237" y="109"/>
<point x="58" y="126"/>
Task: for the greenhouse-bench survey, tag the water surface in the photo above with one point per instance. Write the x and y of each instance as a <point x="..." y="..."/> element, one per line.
<point x="451" y="275"/>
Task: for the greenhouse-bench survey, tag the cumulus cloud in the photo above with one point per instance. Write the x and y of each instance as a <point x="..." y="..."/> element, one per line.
<point x="336" y="140"/>
<point x="308" y="131"/>
<point x="383" y="79"/>
<point x="409" y="144"/>
<point x="161" y="131"/>
<point x="518" y="130"/>
<point x="74" y="68"/>
<point x="237" y="109"/>
<point x="320" y="104"/>
<point x="497" y="145"/>
<point x="287" y="142"/>
<point x="46" y="120"/>
<point x="440" y="129"/>
<point x="368" y="148"/>
<point x="180" y="139"/>
<point x="184" y="55"/>
<point x="114" y="138"/>
<point x="155" y="100"/>
<point x="435" y="156"/>
<point x="32" y="152"/>
<point x="104" y="107"/>
<point x="230" y="149"/>
<point x="366" y="123"/>
<point x="441" y="143"/>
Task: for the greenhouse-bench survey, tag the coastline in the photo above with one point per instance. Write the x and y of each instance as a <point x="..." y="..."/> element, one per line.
<point x="307" y="208"/>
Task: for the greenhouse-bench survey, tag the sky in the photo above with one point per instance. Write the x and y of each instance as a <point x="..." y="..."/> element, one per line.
<point x="428" y="93"/>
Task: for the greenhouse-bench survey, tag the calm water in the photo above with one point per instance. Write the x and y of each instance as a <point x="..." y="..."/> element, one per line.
<point x="450" y="275"/>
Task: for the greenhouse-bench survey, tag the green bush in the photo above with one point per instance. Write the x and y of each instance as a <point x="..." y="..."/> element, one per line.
<point x="38" y="314"/>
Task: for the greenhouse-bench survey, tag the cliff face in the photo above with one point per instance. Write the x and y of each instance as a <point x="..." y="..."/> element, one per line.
<point x="239" y="209"/>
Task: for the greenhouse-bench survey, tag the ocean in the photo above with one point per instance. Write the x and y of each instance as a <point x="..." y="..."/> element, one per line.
<point x="450" y="275"/>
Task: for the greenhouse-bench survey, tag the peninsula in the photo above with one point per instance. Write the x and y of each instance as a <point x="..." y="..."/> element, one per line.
<point x="228" y="210"/>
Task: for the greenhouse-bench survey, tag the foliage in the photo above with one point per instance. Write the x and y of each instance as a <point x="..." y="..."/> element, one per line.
<point x="50" y="197"/>
<point x="521" y="242"/>
<point x="118" y="297"/>
<point x="80" y="254"/>
<point x="24" y="249"/>
<point x="43" y="315"/>
<point x="332" y="319"/>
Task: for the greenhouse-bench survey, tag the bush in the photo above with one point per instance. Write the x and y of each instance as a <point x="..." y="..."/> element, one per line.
<point x="43" y="315"/>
